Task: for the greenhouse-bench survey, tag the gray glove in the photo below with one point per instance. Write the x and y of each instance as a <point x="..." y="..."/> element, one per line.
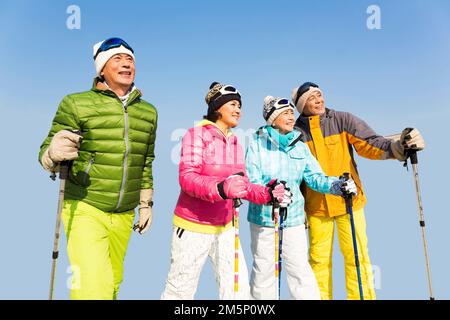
<point x="342" y="187"/>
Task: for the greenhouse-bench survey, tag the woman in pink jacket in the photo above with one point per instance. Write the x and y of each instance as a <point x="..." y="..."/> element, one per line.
<point x="210" y="163"/>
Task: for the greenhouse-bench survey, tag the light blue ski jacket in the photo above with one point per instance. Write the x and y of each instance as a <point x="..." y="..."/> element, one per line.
<point x="266" y="160"/>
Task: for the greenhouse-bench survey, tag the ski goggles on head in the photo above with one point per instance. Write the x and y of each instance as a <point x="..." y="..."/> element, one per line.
<point x="282" y="103"/>
<point x="110" y="44"/>
<point x="224" y="94"/>
<point x="303" y="88"/>
<point x="278" y="105"/>
<point x="227" y="90"/>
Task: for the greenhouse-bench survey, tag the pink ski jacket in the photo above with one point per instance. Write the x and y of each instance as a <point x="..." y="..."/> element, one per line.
<point x="207" y="158"/>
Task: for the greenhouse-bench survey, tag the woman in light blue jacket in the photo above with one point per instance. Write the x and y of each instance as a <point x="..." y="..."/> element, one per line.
<point x="276" y="151"/>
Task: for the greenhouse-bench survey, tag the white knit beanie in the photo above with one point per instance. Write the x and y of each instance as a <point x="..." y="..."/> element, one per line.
<point x="271" y="110"/>
<point x="303" y="98"/>
<point x="103" y="57"/>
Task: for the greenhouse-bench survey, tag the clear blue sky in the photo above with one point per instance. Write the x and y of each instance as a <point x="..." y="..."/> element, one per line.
<point x="395" y="77"/>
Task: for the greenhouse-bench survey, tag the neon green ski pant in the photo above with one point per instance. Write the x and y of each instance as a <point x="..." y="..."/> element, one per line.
<point x="96" y="244"/>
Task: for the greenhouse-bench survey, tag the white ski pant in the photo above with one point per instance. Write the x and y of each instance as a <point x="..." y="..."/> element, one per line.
<point x="300" y="277"/>
<point x="188" y="255"/>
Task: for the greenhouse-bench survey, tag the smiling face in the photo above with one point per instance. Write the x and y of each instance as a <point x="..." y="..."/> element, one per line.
<point x="230" y="114"/>
<point x="285" y="122"/>
<point x="119" y="72"/>
<point x="315" y="105"/>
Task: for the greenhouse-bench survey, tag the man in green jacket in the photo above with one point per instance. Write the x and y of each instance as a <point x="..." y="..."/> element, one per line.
<point x="111" y="173"/>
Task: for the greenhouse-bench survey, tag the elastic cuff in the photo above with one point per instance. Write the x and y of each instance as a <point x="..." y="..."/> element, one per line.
<point x="221" y="191"/>
<point x="269" y="196"/>
<point x="398" y="151"/>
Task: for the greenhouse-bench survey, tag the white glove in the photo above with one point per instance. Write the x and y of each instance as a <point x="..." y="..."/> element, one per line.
<point x="412" y="139"/>
<point x="409" y="139"/>
<point x="343" y="187"/>
<point x="145" y="211"/>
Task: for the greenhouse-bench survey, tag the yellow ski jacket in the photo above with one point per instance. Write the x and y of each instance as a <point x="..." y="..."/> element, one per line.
<point x="331" y="138"/>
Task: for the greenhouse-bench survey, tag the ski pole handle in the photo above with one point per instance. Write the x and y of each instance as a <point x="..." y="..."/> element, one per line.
<point x="237" y="202"/>
<point x="348" y="196"/>
<point x="64" y="169"/>
<point x="410" y="153"/>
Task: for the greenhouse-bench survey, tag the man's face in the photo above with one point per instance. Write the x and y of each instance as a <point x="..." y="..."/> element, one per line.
<point x="119" y="70"/>
<point x="315" y="105"/>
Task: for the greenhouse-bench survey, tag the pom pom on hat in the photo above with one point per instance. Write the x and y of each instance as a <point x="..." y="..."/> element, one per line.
<point x="216" y="97"/>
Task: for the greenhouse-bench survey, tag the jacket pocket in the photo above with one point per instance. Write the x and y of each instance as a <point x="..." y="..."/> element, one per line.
<point x="333" y="147"/>
<point x="297" y="156"/>
<point x="297" y="164"/>
<point x="85" y="174"/>
<point x="332" y="141"/>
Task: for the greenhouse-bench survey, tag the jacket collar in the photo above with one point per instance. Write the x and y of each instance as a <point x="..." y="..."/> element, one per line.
<point x="206" y="122"/>
<point x="304" y="120"/>
<point x="264" y="134"/>
<point x="101" y="87"/>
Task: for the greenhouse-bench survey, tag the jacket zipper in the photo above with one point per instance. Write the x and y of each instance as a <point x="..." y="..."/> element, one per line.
<point x="227" y="143"/>
<point x="88" y="168"/>
<point x="125" y="157"/>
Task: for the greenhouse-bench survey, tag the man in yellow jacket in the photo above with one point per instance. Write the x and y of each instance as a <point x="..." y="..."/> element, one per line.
<point x="331" y="136"/>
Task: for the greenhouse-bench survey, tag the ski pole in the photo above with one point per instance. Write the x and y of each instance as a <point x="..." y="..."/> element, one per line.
<point x="236" y="204"/>
<point x="276" y="215"/>
<point x="64" y="168"/>
<point x="412" y="155"/>
<point x="349" y="206"/>
<point x="63" y="175"/>
<point x="283" y="213"/>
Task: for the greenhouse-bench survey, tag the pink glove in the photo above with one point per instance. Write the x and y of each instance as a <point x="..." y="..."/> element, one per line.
<point x="234" y="186"/>
<point x="278" y="192"/>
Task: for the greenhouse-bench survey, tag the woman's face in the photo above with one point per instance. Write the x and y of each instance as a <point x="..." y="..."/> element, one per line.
<point x="285" y="122"/>
<point x="230" y="114"/>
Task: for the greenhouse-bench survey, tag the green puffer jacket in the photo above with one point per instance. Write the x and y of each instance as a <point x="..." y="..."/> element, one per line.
<point x="117" y="150"/>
